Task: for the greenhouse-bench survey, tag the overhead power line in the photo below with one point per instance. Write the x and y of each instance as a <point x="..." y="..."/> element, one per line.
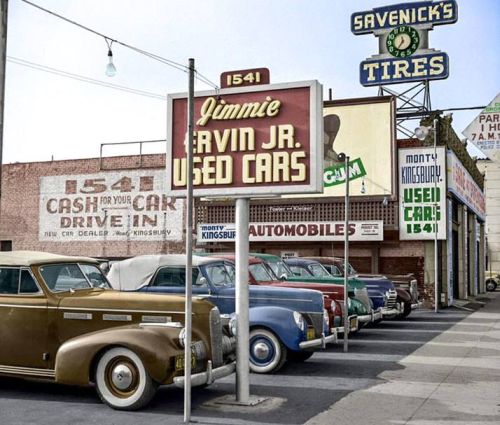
<point x="109" y="40"/>
<point x="82" y="78"/>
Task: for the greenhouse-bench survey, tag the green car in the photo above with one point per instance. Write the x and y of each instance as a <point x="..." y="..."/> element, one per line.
<point x="358" y="301"/>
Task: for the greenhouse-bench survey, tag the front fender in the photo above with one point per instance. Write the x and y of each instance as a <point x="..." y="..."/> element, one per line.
<point x="155" y="345"/>
<point x="403" y="295"/>
<point x="280" y="321"/>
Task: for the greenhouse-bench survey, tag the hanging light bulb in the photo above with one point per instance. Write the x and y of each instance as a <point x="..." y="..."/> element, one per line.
<point x="110" y="67"/>
<point x="363" y="188"/>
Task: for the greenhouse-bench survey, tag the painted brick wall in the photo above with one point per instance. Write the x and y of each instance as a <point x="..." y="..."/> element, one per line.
<point x="20" y="206"/>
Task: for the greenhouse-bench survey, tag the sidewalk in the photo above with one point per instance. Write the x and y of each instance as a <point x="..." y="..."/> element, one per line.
<point x="453" y="379"/>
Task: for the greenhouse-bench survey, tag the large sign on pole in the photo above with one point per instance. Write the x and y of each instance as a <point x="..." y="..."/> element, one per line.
<point x="256" y="140"/>
<point x="404" y="54"/>
<point x="422" y="188"/>
<point x="484" y="131"/>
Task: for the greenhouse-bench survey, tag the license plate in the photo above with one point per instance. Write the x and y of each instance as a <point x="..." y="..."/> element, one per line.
<point x="179" y="361"/>
<point x="353" y="323"/>
<point x="310" y="333"/>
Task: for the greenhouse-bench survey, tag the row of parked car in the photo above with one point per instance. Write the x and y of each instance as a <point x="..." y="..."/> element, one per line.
<point x="65" y="320"/>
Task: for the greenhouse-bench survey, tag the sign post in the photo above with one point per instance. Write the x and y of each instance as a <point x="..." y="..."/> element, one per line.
<point x="248" y="141"/>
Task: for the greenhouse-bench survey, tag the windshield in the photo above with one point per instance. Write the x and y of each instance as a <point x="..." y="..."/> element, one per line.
<point x="280" y="268"/>
<point x="221" y="274"/>
<point x="260" y="273"/>
<point x="334" y="270"/>
<point x="318" y="270"/>
<point x="66" y="277"/>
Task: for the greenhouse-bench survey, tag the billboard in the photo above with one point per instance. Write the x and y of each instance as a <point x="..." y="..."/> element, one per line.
<point x="422" y="189"/>
<point x="294" y="231"/>
<point x="128" y="205"/>
<point x="255" y="140"/>
<point x="363" y="129"/>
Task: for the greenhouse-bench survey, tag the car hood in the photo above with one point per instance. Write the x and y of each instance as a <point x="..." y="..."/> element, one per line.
<point x="110" y="301"/>
<point x="335" y="291"/>
<point x="296" y="299"/>
<point x="379" y="282"/>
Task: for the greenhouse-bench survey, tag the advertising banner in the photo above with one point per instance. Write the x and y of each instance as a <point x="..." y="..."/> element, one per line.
<point x="364" y="129"/>
<point x="462" y="185"/>
<point x="422" y="188"/>
<point x="255" y="140"/>
<point x="128" y="205"/>
<point x="484" y="131"/>
<point x="294" y="231"/>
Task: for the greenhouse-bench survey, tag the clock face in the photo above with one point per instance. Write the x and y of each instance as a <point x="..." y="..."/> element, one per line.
<point x="402" y="41"/>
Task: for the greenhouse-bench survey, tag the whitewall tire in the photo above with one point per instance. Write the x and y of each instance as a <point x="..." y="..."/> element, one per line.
<point x="267" y="352"/>
<point x="122" y="381"/>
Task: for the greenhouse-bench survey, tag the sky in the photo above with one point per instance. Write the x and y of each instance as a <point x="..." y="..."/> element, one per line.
<point x="48" y="116"/>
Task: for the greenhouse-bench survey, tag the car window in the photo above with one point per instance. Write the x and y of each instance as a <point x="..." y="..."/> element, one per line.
<point x="280" y="268"/>
<point x="220" y="274"/>
<point x="28" y="284"/>
<point x="299" y="271"/>
<point x="260" y="273"/>
<point x="64" y="277"/>
<point x="94" y="275"/>
<point x="333" y="269"/>
<point x="9" y="281"/>
<point x="317" y="270"/>
<point x="175" y="276"/>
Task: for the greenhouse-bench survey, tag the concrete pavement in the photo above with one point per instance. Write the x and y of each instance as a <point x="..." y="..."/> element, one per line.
<point x="454" y="379"/>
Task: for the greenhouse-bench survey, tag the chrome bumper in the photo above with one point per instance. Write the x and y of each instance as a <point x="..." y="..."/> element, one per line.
<point x="416" y="305"/>
<point x="391" y="312"/>
<point x="320" y="342"/>
<point x="207" y="377"/>
<point x="353" y="325"/>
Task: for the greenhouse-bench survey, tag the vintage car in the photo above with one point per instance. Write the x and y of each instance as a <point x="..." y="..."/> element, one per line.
<point x="304" y="269"/>
<point x="355" y="307"/>
<point x="492" y="280"/>
<point x="381" y="290"/>
<point x="405" y="285"/>
<point x="260" y="274"/>
<point x="60" y="321"/>
<point x="284" y="323"/>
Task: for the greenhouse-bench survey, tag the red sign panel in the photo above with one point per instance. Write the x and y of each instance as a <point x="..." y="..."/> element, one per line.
<point x="244" y="77"/>
<point x="263" y="140"/>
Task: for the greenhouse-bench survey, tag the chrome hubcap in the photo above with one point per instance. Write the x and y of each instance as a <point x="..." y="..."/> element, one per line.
<point x="261" y="350"/>
<point x="122" y="377"/>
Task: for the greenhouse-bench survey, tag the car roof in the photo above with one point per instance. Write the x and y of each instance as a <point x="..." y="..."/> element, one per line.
<point x="30" y="258"/>
<point x="232" y="257"/>
<point x="136" y="272"/>
<point x="300" y="260"/>
<point x="326" y="260"/>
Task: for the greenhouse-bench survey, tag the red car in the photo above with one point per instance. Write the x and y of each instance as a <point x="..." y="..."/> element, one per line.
<point x="260" y="274"/>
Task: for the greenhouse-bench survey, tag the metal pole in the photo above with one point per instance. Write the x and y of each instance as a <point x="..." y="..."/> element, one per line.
<point x="4" y="7"/>
<point x="346" y="255"/>
<point x="436" y="295"/>
<point x="242" y="345"/>
<point x="189" y="246"/>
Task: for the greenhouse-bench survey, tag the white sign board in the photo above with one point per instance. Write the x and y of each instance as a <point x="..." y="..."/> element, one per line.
<point x="109" y="206"/>
<point x="422" y="188"/>
<point x="294" y="231"/>
<point x="462" y="185"/>
<point x="484" y="131"/>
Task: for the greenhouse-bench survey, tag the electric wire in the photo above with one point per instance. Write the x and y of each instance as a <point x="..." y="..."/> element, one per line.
<point x="110" y="40"/>
<point x="82" y="78"/>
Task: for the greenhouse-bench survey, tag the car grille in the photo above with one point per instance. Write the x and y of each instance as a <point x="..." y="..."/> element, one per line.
<point x="392" y="296"/>
<point x="216" y="337"/>
<point x="362" y="295"/>
<point x="315" y="320"/>
<point x="414" y="291"/>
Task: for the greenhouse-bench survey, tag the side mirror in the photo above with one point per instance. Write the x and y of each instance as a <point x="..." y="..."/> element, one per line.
<point x="283" y="276"/>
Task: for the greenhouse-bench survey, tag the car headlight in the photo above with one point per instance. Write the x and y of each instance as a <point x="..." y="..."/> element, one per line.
<point x="333" y="307"/>
<point x="182" y="337"/>
<point x="299" y="320"/>
<point x="233" y="326"/>
<point x="326" y="318"/>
